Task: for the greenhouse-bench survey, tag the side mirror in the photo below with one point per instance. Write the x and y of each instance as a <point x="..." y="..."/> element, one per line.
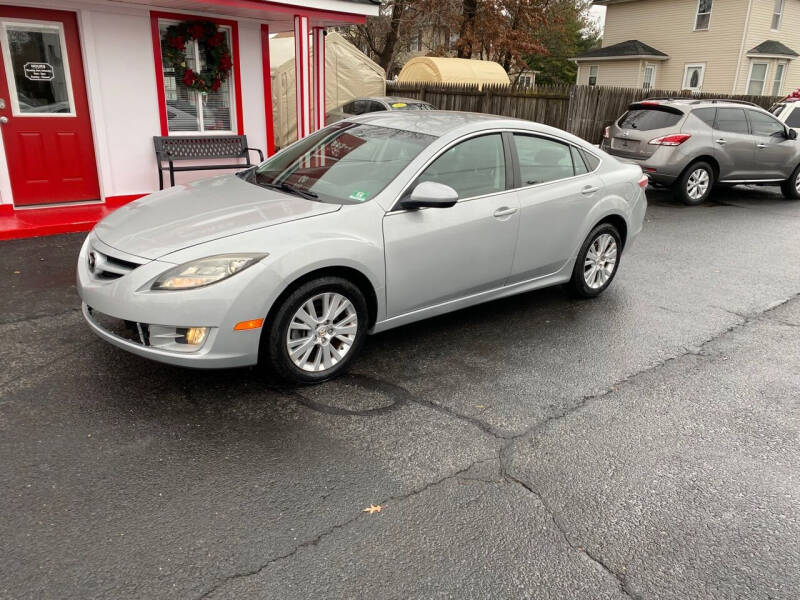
<point x="430" y="194"/>
<point x="791" y="134"/>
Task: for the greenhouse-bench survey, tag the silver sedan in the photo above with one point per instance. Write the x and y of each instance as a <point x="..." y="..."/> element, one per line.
<point x="368" y="224"/>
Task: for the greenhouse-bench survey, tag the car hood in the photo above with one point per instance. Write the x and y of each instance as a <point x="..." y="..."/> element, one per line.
<point x="199" y="212"/>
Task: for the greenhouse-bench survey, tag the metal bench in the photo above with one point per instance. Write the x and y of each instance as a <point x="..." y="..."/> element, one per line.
<point x="200" y="147"/>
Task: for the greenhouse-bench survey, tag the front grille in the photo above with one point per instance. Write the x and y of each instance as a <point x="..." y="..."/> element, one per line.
<point x="106" y="267"/>
<point x="139" y="333"/>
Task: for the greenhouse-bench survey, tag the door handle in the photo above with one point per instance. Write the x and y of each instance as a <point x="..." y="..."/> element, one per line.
<point x="589" y="190"/>
<point x="721" y="141"/>
<point x="505" y="211"/>
<point x="761" y="146"/>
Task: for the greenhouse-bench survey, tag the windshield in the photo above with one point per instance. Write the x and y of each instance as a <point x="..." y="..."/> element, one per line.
<point x="346" y="163"/>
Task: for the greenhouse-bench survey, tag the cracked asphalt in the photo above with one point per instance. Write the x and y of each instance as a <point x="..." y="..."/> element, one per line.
<point x="641" y="445"/>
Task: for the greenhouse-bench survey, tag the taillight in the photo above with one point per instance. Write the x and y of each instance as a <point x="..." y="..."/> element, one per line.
<point x="675" y="139"/>
<point x="607" y="133"/>
<point x="643" y="181"/>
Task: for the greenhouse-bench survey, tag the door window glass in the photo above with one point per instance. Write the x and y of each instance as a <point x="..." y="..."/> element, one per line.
<point x="38" y="71"/>
<point x="765" y="125"/>
<point x="732" y="120"/>
<point x="472" y="168"/>
<point x="542" y="160"/>
<point x="590" y="159"/>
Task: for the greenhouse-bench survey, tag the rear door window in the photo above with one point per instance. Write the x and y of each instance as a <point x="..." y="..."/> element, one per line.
<point x="542" y="159"/>
<point x="647" y="119"/>
<point x="591" y="160"/>
<point x="732" y="120"/>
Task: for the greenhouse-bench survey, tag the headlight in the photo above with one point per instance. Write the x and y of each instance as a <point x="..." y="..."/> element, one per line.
<point x="205" y="271"/>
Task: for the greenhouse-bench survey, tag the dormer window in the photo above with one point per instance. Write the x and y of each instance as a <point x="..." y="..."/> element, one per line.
<point x="777" y="15"/>
<point x="703" y="19"/>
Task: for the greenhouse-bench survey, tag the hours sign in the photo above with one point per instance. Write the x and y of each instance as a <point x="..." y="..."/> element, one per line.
<point x="39" y="71"/>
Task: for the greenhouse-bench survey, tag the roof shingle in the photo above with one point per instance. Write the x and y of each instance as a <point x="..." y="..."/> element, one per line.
<point x="623" y="49"/>
<point x="773" y="47"/>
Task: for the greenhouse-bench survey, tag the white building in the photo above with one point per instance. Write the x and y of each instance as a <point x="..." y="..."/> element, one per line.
<point x="86" y="84"/>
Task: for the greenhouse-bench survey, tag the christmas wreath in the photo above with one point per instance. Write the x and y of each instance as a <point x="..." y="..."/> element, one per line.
<point x="212" y="43"/>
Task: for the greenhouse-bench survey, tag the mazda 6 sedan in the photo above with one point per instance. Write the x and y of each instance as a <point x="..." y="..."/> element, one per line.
<point x="365" y="225"/>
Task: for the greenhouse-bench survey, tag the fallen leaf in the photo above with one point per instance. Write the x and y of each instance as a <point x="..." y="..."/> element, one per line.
<point x="372" y="509"/>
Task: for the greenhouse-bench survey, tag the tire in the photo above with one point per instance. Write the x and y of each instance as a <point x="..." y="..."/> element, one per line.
<point x="694" y="185"/>
<point x="327" y="342"/>
<point x="586" y="283"/>
<point x="791" y="187"/>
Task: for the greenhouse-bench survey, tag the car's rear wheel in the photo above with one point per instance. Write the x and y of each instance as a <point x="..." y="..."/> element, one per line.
<point x="791" y="187"/>
<point x="597" y="262"/>
<point x="317" y="330"/>
<point x="694" y="185"/>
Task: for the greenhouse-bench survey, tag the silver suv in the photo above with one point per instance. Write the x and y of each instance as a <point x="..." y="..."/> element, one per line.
<point x="691" y="145"/>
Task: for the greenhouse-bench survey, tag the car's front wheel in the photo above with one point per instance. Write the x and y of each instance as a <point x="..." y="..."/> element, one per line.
<point x="791" y="187"/>
<point x="693" y="187"/>
<point x="597" y="262"/>
<point x="317" y="330"/>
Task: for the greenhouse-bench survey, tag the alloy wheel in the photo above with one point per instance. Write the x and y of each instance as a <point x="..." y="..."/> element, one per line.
<point x="797" y="182"/>
<point x="600" y="261"/>
<point x="322" y="332"/>
<point x="697" y="184"/>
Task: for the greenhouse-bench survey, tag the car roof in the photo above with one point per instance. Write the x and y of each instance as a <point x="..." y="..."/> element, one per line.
<point x="439" y="123"/>
<point x="693" y="103"/>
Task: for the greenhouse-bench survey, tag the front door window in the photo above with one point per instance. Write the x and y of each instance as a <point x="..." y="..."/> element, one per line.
<point x="37" y="72"/>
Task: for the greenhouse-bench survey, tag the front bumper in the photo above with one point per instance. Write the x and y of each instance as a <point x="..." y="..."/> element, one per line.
<point x="219" y="307"/>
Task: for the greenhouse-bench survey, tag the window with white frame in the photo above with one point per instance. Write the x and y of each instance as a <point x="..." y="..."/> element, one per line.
<point x="593" y="75"/>
<point x="703" y="18"/>
<point x="693" y="77"/>
<point x="649" y="80"/>
<point x="189" y="110"/>
<point x="777" y="14"/>
<point x="758" y="76"/>
<point x="525" y="81"/>
<point x="780" y="75"/>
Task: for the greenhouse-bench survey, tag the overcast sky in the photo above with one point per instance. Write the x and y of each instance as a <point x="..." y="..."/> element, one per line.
<point x="599" y="13"/>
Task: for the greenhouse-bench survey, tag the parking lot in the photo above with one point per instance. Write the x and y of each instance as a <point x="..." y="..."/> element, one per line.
<point x="644" y="444"/>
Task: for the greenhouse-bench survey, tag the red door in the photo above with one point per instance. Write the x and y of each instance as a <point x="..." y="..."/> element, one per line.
<point x="44" y="113"/>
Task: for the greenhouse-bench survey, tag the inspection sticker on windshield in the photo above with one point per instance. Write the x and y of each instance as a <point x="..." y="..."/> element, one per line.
<point x="399" y="105"/>
<point x="359" y="196"/>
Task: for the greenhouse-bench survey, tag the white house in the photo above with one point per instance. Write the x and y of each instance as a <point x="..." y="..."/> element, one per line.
<point x="86" y="84"/>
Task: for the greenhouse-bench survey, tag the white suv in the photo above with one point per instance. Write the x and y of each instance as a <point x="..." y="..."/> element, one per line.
<point x="788" y="111"/>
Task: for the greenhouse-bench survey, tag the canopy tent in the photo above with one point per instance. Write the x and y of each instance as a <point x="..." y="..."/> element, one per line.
<point x="437" y="69"/>
<point x="349" y="73"/>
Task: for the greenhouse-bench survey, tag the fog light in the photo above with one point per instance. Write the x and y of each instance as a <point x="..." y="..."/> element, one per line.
<point x="195" y="336"/>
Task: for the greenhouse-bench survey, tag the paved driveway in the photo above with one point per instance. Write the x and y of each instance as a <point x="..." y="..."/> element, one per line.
<point x="644" y="444"/>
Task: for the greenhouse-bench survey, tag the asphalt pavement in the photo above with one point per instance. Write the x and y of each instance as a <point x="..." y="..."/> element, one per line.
<point x="641" y="445"/>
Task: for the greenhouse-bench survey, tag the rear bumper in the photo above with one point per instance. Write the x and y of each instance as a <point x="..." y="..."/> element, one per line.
<point x="661" y="167"/>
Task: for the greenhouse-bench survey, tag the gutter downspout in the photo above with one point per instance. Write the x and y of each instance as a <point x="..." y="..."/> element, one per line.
<point x="741" y="47"/>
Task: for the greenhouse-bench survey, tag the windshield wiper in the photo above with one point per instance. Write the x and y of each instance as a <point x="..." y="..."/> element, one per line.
<point x="286" y="187"/>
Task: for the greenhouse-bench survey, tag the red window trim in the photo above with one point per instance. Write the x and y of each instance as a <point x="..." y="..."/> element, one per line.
<point x="237" y="77"/>
<point x="267" y="75"/>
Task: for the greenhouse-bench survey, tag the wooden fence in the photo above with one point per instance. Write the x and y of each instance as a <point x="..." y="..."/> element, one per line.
<point x="582" y="110"/>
